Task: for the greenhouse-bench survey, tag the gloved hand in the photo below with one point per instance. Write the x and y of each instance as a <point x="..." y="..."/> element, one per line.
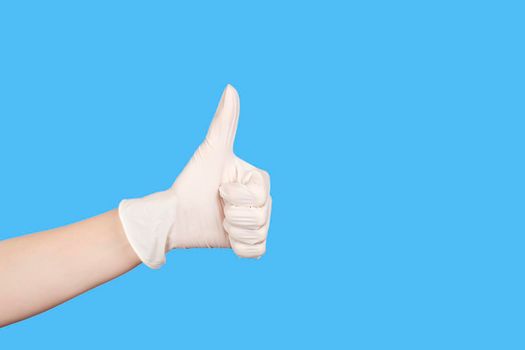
<point x="218" y="200"/>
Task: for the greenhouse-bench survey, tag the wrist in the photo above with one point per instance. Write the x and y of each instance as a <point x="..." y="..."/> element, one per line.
<point x="147" y="223"/>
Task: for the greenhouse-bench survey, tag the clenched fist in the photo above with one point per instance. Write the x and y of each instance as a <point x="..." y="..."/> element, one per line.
<point x="218" y="200"/>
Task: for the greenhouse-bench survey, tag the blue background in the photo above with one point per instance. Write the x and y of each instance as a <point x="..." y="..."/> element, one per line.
<point x="393" y="131"/>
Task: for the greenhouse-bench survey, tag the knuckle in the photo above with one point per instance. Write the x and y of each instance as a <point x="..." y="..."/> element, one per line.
<point x="266" y="178"/>
<point x="260" y="249"/>
<point x="265" y="174"/>
<point x="260" y="217"/>
<point x="262" y="233"/>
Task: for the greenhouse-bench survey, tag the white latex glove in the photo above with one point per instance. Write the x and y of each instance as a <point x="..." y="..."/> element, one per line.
<point x="218" y="201"/>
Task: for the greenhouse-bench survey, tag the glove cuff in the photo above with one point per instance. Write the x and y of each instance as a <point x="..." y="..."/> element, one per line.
<point x="147" y="223"/>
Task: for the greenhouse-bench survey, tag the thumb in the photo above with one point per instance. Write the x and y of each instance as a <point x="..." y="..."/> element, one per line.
<point x="224" y="124"/>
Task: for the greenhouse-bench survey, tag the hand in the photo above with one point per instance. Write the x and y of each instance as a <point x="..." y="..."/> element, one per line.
<point x="217" y="201"/>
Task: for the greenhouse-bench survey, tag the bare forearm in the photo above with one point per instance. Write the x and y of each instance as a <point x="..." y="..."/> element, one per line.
<point x="219" y="200"/>
<point x="42" y="270"/>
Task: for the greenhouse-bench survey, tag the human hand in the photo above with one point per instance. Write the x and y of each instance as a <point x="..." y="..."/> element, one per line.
<point x="217" y="201"/>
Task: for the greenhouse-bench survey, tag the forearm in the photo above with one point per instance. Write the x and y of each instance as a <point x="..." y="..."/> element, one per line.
<point x="217" y="201"/>
<point x="42" y="270"/>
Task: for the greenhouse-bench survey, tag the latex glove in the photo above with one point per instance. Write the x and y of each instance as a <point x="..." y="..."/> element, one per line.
<point x="218" y="200"/>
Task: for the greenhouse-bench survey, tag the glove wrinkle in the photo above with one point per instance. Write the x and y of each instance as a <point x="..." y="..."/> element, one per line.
<point x="215" y="193"/>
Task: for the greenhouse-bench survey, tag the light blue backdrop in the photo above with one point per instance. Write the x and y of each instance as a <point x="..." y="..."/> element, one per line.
<point x="393" y="131"/>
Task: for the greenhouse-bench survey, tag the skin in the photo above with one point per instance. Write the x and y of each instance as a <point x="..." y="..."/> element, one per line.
<point x="42" y="270"/>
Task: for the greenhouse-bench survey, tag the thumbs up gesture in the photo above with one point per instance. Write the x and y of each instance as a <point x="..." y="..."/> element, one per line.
<point x="218" y="200"/>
